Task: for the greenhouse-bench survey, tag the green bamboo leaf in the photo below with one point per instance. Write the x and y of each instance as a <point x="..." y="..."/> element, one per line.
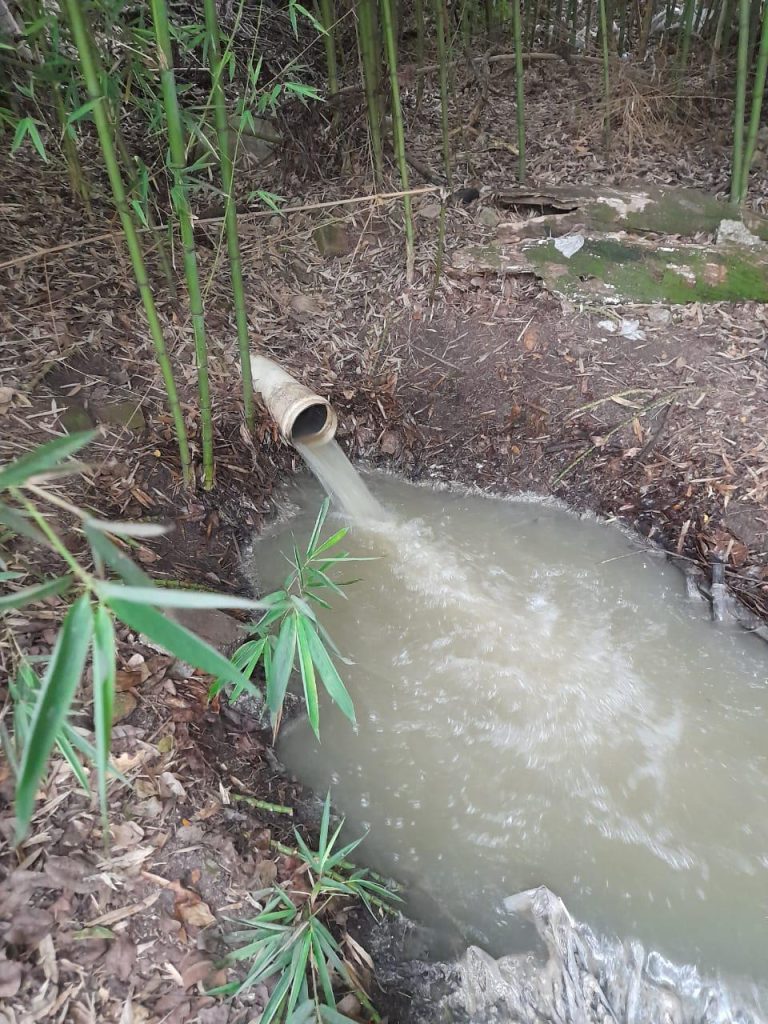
<point x="21" y="598"/>
<point x="332" y="682"/>
<point x="20" y="525"/>
<point x="79" y="114"/>
<point x="43" y="458"/>
<point x="310" y="17"/>
<point x="321" y="965"/>
<point x="159" y="597"/>
<point x="303" y="1013"/>
<point x="304" y="91"/>
<point x="331" y="542"/>
<point x="177" y="640"/>
<point x="104" y="661"/>
<point x="120" y="529"/>
<point x="110" y="554"/>
<point x="298" y="971"/>
<point x="28" y="127"/>
<point x="322" y="515"/>
<point x="138" y="209"/>
<point x="7" y="577"/>
<point x="268" y="198"/>
<point x="282" y="665"/>
<point x="308" y="674"/>
<point x="324" y="824"/>
<point x="73" y="761"/>
<point x="302" y="607"/>
<point x="56" y="693"/>
<point x="272" y="1009"/>
<point x="330" y="1015"/>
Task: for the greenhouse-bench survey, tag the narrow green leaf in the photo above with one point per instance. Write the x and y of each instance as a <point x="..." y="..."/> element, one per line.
<point x="282" y="665"/>
<point x="325" y="821"/>
<point x="321" y="965"/>
<point x="160" y="597"/>
<point x="21" y="598"/>
<point x="303" y="1013"/>
<point x="20" y="525"/>
<point x="72" y="760"/>
<point x="272" y="1009"/>
<point x="300" y="89"/>
<point x="308" y="674"/>
<point x="337" y="691"/>
<point x="177" y="640"/>
<point x="120" y="529"/>
<point x="43" y="458"/>
<point x="321" y="516"/>
<point x="303" y="608"/>
<point x="298" y="971"/>
<point x="20" y="134"/>
<point x="79" y="114"/>
<point x="105" y="551"/>
<point x="331" y="542"/>
<point x="310" y="17"/>
<point x="104" y="663"/>
<point x="57" y="691"/>
<point x="332" y="1016"/>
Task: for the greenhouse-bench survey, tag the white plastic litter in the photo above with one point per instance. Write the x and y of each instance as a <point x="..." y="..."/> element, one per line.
<point x="569" y="245"/>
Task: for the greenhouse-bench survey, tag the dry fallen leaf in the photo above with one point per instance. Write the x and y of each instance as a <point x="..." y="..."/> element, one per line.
<point x="11" y="398"/>
<point x="10" y="978"/>
<point x="125" y="703"/>
<point x="121" y="957"/>
<point x="68" y="873"/>
<point x="29" y="927"/>
<point x="192" y="911"/>
<point x="169" y="785"/>
<point x="194" y="971"/>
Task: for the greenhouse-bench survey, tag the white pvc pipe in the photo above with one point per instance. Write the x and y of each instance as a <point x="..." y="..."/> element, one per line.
<point x="302" y="416"/>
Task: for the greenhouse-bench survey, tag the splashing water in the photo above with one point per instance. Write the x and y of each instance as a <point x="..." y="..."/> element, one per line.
<point x="538" y="703"/>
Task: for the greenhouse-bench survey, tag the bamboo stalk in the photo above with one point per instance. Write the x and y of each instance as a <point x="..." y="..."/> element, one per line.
<point x="588" y="27"/>
<point x="519" y="89"/>
<point x="725" y="9"/>
<point x="685" y="46"/>
<point x="91" y="76"/>
<point x="328" y="21"/>
<point x="180" y="199"/>
<point x="572" y="10"/>
<point x="398" y="133"/>
<point x="438" y="7"/>
<point x="418" y="14"/>
<point x="227" y="170"/>
<point x="367" y="39"/>
<point x="439" y="255"/>
<point x="606" y="73"/>
<point x="758" y="94"/>
<point x="645" y="30"/>
<point x="737" y="166"/>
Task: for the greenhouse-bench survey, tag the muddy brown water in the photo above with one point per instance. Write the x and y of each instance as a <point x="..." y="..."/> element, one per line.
<point x="539" y="702"/>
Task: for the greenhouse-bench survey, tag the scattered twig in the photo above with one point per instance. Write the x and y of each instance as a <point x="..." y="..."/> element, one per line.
<point x="640" y="412"/>
<point x="374" y="197"/>
<point x="262" y="805"/>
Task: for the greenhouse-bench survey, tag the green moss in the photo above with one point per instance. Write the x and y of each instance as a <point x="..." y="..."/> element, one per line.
<point x="622" y="271"/>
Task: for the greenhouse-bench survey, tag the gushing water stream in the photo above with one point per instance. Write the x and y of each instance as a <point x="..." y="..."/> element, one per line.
<point x="539" y="703"/>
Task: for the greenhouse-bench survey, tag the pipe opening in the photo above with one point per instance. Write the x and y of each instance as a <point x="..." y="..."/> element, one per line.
<point x="310" y="422"/>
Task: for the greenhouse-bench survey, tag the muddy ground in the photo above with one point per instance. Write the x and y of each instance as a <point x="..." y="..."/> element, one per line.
<point x="482" y="380"/>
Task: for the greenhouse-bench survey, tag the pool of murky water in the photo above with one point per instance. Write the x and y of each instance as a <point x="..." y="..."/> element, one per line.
<point x="539" y="702"/>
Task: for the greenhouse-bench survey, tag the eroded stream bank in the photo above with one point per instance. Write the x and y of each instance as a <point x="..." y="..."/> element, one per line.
<point x="540" y="703"/>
